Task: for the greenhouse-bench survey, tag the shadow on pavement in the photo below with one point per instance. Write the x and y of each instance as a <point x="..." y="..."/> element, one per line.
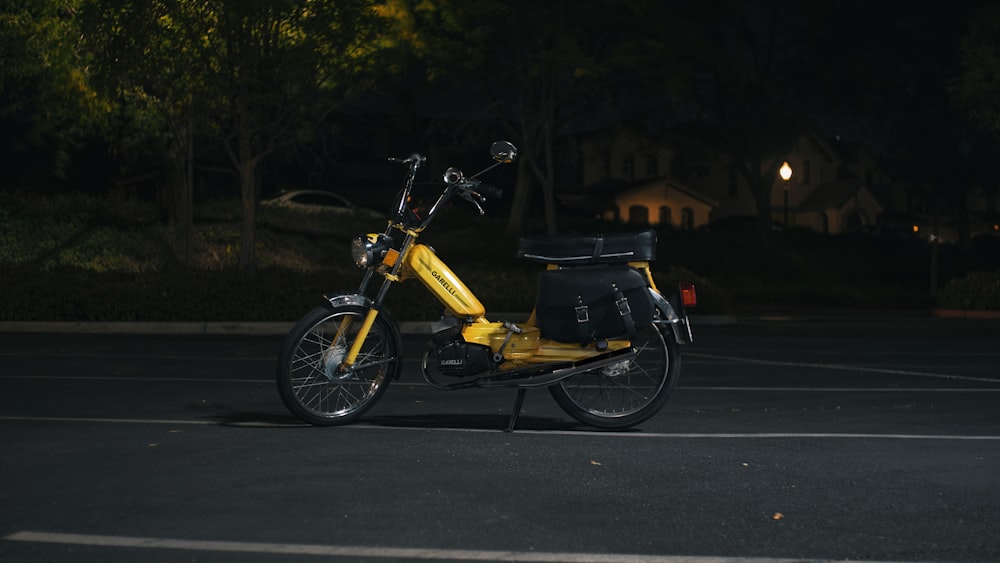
<point x="478" y="422"/>
<point x="498" y="422"/>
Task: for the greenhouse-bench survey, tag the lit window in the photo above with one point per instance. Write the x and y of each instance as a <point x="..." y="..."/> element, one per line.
<point x="687" y="218"/>
<point x="666" y="215"/>
<point x="638" y="215"/>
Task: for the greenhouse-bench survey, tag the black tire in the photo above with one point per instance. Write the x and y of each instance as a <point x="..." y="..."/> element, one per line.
<point x="319" y="395"/>
<point x="625" y="394"/>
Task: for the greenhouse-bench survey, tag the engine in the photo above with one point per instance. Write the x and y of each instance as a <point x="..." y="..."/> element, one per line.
<point x="461" y="359"/>
<point x="453" y="356"/>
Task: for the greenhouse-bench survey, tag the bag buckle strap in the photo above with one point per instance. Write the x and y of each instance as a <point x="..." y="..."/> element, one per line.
<point x="624" y="310"/>
<point x="583" y="330"/>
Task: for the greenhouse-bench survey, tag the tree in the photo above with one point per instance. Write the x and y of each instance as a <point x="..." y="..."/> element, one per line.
<point x="912" y="69"/>
<point x="248" y="75"/>
<point x="525" y="67"/>
<point x="144" y="63"/>
<point x="45" y="106"/>
<point x="978" y="87"/>
<point x="977" y="91"/>
<point x="560" y="55"/>
<point x="735" y="71"/>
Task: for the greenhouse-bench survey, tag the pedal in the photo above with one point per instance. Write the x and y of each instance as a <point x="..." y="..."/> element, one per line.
<point x="512" y="327"/>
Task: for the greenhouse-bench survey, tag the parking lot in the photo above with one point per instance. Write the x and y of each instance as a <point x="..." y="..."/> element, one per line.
<point x="821" y="438"/>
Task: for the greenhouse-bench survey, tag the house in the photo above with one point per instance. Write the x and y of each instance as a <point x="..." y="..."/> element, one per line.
<point x="838" y="206"/>
<point x="831" y="189"/>
<point x="662" y="202"/>
<point x="681" y="183"/>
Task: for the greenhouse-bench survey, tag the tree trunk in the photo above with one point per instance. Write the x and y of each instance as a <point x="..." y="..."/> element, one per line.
<point x="247" y="166"/>
<point x="248" y="200"/>
<point x="761" y="192"/>
<point x="548" y="191"/>
<point x="176" y="199"/>
<point x="964" y="224"/>
<point x="171" y="199"/>
<point x="188" y="207"/>
<point x="521" y="203"/>
<point x="549" y="176"/>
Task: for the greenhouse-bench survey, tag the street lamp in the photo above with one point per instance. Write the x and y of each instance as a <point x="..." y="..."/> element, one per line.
<point x="786" y="174"/>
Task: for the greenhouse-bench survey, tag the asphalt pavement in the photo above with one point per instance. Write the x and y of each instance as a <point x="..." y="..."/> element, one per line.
<point x="841" y="437"/>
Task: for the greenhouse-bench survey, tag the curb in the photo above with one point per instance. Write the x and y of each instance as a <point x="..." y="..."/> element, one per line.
<point x="965" y="314"/>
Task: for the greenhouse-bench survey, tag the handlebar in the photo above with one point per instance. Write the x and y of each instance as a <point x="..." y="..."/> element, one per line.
<point x="490" y="191"/>
<point x="473" y="192"/>
<point x="479" y="188"/>
<point x="469" y="189"/>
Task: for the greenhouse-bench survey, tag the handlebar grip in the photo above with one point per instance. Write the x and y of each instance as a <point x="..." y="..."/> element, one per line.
<point x="490" y="191"/>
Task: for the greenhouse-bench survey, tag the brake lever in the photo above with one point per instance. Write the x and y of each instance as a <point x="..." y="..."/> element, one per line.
<point x="415" y="158"/>
<point x="475" y="198"/>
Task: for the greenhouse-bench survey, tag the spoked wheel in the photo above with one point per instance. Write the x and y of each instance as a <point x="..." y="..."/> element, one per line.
<point x="626" y="393"/>
<point x="309" y="380"/>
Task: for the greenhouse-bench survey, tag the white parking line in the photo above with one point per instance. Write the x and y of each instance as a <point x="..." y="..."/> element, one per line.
<point x="362" y="551"/>
<point x="840" y="367"/>
<point x="108" y="420"/>
<point x="120" y="356"/>
<point x="846" y="389"/>
<point x="127" y="378"/>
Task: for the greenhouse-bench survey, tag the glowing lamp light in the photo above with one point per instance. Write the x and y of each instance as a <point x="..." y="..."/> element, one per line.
<point x="785" y="171"/>
<point x="786" y="174"/>
<point x="916" y="229"/>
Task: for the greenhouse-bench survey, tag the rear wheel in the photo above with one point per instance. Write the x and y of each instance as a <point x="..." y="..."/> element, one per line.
<point x="308" y="376"/>
<point x="626" y="393"/>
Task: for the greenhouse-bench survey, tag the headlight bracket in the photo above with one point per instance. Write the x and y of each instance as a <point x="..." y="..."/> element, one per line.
<point x="369" y="250"/>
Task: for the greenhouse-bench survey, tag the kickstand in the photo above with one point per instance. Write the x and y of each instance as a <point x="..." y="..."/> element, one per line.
<point x="517" y="409"/>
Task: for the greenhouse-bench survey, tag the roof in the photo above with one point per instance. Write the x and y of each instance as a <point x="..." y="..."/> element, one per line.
<point x="646" y="185"/>
<point x="831" y="195"/>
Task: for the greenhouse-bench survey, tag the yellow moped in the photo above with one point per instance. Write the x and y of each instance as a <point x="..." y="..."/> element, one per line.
<point x="601" y="337"/>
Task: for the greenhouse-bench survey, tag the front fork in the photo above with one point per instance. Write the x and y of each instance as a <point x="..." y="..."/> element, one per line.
<point x="359" y="339"/>
<point x="347" y="363"/>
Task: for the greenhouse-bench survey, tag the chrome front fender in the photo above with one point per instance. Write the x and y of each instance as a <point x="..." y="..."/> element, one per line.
<point x="341" y="299"/>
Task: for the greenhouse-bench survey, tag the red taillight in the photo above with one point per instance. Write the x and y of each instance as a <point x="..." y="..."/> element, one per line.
<point x="689" y="297"/>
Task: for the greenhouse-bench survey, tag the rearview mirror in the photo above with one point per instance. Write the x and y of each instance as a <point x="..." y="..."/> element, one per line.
<point x="503" y="151"/>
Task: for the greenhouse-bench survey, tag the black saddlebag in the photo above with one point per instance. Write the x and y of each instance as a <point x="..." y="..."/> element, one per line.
<point x="592" y="303"/>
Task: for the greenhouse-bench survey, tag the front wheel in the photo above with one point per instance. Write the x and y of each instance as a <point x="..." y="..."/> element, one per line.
<point x="309" y="380"/>
<point x="626" y="393"/>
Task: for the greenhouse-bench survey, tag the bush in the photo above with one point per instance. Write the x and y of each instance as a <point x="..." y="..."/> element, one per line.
<point x="74" y="294"/>
<point x="978" y="291"/>
<point x="84" y="258"/>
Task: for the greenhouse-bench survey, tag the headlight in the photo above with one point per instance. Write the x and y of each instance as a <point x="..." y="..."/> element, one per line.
<point x="369" y="250"/>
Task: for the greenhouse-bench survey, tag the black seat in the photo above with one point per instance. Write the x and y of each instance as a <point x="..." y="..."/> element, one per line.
<point x="582" y="250"/>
